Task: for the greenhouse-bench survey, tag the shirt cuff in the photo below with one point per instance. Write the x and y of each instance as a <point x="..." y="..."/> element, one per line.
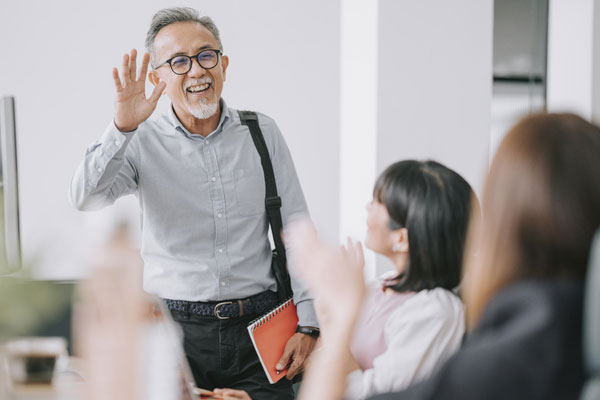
<point x="123" y="133"/>
<point x="306" y="314"/>
<point x="114" y="142"/>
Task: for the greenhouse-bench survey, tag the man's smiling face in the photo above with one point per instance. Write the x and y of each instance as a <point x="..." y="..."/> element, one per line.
<point x="195" y="94"/>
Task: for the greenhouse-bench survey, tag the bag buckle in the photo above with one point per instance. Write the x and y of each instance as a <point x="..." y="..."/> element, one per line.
<point x="273" y="202"/>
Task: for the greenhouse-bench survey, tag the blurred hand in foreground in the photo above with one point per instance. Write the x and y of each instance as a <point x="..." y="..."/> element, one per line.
<point x="335" y="277"/>
<point x="108" y="319"/>
<point x="333" y="274"/>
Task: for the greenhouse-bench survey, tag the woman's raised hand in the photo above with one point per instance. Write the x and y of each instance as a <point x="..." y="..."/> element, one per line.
<point x="333" y="274"/>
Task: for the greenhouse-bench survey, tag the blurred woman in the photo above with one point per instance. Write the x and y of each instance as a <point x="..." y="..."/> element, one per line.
<point x="524" y="276"/>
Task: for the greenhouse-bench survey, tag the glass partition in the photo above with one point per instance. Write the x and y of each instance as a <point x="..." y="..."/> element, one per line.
<point x="519" y="63"/>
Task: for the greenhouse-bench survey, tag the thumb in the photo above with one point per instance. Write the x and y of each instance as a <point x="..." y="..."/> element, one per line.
<point x="157" y="92"/>
<point x="285" y="359"/>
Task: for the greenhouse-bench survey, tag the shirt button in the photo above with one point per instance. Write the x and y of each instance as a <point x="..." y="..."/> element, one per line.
<point x="214" y="179"/>
<point x="222" y="283"/>
<point x="207" y="141"/>
<point x="220" y="215"/>
<point x="117" y="142"/>
<point x="99" y="169"/>
<point x="220" y="250"/>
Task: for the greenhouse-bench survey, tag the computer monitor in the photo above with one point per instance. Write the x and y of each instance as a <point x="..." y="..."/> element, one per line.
<point x="10" y="237"/>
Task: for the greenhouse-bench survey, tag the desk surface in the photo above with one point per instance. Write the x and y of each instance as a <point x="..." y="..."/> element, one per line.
<point x="66" y="385"/>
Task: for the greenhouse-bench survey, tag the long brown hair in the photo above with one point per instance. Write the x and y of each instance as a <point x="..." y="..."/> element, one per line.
<point x="540" y="208"/>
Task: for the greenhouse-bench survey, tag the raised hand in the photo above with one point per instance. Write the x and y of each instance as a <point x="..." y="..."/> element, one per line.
<point x="131" y="105"/>
<point x="335" y="278"/>
<point x="333" y="274"/>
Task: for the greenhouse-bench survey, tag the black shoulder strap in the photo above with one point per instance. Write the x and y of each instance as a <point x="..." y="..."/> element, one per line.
<point x="272" y="203"/>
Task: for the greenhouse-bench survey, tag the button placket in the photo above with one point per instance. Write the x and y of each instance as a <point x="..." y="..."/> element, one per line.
<point x="218" y="203"/>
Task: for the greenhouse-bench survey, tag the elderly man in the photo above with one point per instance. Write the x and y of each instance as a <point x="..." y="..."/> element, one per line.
<point x="200" y="185"/>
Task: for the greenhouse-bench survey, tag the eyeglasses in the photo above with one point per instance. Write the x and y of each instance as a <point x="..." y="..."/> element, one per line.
<point x="182" y="64"/>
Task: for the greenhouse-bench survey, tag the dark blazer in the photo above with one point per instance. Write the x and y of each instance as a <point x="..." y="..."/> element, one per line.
<point x="528" y="345"/>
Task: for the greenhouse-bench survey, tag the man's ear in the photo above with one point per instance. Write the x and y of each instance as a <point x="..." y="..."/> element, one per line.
<point x="153" y="77"/>
<point x="224" y="65"/>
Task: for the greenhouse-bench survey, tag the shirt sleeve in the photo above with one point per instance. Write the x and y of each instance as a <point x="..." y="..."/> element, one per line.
<point x="293" y="205"/>
<point x="106" y="173"/>
<point x="419" y="336"/>
<point x="527" y="345"/>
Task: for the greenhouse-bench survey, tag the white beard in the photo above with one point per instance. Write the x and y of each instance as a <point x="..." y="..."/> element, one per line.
<point x="203" y="111"/>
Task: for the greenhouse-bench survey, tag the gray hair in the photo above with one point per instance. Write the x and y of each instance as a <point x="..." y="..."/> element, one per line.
<point x="168" y="16"/>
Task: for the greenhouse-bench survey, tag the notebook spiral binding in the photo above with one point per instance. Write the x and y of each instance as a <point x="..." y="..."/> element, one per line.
<point x="254" y="324"/>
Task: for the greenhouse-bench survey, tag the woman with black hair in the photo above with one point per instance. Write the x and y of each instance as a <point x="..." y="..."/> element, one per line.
<point x="524" y="275"/>
<point x="411" y="321"/>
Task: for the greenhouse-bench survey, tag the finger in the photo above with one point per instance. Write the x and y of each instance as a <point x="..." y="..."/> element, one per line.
<point x="158" y="90"/>
<point x="125" y="70"/>
<point x="355" y="252"/>
<point x="144" y="69"/>
<point x="360" y="253"/>
<point x="230" y="394"/>
<point x="295" y="369"/>
<point x="115" y="74"/>
<point x="133" y="64"/>
<point x="223" y="394"/>
<point x="285" y="358"/>
<point x="351" y="250"/>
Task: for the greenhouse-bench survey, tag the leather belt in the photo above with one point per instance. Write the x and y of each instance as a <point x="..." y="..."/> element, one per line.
<point x="252" y="306"/>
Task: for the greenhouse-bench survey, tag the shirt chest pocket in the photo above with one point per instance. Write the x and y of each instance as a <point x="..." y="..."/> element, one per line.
<point x="250" y="191"/>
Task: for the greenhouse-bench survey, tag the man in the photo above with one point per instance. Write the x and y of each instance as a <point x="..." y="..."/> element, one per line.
<point x="200" y="185"/>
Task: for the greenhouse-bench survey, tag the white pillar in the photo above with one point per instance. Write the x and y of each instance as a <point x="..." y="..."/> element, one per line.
<point x="571" y="67"/>
<point x="435" y="84"/>
<point x="358" y="114"/>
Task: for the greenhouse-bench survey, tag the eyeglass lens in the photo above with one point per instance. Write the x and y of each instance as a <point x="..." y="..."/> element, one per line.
<point x="182" y="64"/>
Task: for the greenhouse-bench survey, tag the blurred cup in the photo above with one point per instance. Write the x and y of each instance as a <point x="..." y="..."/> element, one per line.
<point x="34" y="360"/>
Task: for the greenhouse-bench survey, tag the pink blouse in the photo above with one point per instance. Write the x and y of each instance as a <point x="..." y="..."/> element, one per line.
<point x="368" y="341"/>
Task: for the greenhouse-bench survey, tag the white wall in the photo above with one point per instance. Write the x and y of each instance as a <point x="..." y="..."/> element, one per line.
<point x="432" y="90"/>
<point x="574" y="57"/>
<point x="358" y="117"/>
<point x="570" y="56"/>
<point x="435" y="84"/>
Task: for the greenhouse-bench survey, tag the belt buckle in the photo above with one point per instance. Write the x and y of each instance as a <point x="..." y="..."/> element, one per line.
<point x="216" y="311"/>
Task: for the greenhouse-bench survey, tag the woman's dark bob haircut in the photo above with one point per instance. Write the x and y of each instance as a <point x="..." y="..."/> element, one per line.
<point x="433" y="203"/>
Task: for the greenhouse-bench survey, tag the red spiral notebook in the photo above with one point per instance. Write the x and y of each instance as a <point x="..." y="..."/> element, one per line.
<point x="270" y="334"/>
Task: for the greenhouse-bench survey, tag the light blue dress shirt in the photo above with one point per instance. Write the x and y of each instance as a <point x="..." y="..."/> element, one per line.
<point x="204" y="224"/>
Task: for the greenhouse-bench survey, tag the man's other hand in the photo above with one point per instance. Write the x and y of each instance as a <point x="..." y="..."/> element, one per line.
<point x="297" y="350"/>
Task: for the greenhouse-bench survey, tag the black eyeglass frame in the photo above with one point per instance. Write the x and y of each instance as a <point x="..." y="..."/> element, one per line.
<point x="218" y="53"/>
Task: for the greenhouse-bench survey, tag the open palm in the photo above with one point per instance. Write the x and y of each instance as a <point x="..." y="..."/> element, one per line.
<point x="333" y="274"/>
<point x="131" y="105"/>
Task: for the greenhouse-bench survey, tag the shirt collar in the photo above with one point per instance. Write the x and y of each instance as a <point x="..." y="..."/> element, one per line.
<point x="178" y="126"/>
